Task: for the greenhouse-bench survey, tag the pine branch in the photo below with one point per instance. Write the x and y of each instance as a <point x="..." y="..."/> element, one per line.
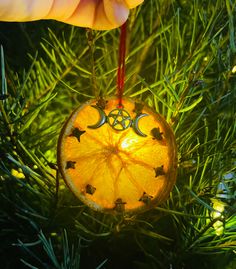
<point x="180" y="61"/>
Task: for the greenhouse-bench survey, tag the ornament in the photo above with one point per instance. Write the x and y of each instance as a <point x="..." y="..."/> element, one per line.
<point x="117" y="159"/>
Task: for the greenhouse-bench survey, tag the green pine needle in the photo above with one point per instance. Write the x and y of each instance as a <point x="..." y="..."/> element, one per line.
<point x="181" y="62"/>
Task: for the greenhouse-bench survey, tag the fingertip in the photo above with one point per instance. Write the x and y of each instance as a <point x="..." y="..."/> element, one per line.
<point x="133" y="3"/>
<point x="102" y="15"/>
<point x="117" y="12"/>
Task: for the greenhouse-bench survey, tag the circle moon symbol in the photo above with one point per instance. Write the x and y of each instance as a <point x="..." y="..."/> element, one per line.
<point x="102" y="119"/>
<point x="136" y="126"/>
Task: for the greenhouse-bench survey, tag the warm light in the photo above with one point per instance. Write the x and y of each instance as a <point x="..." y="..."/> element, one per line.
<point x="234" y="69"/>
<point x="219" y="208"/>
<point x="17" y="174"/>
<point x="128" y="142"/>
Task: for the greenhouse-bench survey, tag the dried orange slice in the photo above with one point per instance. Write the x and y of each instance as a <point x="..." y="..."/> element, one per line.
<point x="118" y="159"/>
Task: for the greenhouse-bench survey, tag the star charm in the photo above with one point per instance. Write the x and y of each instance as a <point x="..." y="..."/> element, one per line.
<point x="77" y="133"/>
<point x="119" y="119"/>
<point x="70" y="165"/>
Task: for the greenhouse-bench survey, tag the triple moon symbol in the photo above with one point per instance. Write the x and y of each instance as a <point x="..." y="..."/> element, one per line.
<point x="119" y="120"/>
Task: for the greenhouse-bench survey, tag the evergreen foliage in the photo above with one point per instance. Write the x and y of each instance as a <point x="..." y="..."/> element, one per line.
<point x="181" y="61"/>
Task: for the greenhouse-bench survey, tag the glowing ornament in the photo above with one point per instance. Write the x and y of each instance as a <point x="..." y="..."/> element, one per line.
<point x="118" y="159"/>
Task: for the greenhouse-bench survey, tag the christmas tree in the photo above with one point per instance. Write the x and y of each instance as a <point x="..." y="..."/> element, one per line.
<point x="181" y="61"/>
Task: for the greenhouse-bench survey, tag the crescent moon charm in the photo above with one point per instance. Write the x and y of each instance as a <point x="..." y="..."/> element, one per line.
<point x="136" y="127"/>
<point x="102" y="120"/>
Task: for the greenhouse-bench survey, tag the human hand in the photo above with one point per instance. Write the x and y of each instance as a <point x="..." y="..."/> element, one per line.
<point x="95" y="14"/>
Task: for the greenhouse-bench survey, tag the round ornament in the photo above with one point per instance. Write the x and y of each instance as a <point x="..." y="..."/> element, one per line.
<point x="118" y="159"/>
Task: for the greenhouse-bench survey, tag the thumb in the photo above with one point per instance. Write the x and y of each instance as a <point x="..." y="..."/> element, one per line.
<point x="99" y="14"/>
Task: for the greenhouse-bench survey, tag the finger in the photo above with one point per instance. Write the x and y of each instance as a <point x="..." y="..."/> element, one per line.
<point x="24" y="10"/>
<point x="62" y="9"/>
<point x="97" y="14"/>
<point x="83" y="14"/>
<point x="29" y="10"/>
<point x="116" y="12"/>
<point x="133" y="3"/>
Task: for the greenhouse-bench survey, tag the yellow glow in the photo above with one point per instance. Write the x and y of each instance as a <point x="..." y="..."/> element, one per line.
<point x="61" y="187"/>
<point x="54" y="234"/>
<point x="219" y="209"/>
<point x="219" y="228"/>
<point x="127" y="142"/>
<point x="17" y="174"/>
<point x="234" y="69"/>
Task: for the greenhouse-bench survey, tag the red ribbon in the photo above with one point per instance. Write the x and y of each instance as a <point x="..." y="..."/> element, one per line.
<point x="121" y="65"/>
